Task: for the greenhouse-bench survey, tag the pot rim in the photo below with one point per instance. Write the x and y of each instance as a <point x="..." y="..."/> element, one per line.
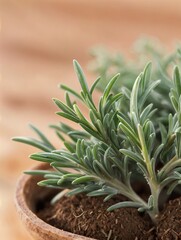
<point x="31" y="220"/>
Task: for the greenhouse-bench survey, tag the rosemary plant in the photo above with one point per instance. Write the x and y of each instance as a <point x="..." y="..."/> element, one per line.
<point x="125" y="140"/>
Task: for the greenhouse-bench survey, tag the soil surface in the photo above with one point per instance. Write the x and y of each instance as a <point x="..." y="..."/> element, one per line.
<point x="169" y="226"/>
<point x="88" y="216"/>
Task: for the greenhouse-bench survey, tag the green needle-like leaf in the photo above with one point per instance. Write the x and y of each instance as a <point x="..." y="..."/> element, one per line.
<point x="33" y="142"/>
<point x="109" y="87"/>
<point x="124" y="204"/>
<point x="81" y="78"/>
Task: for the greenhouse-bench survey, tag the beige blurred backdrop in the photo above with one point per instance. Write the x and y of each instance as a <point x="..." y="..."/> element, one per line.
<point x="39" y="40"/>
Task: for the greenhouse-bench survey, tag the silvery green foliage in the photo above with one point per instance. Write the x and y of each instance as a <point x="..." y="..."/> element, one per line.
<point x="124" y="140"/>
<point x="107" y="64"/>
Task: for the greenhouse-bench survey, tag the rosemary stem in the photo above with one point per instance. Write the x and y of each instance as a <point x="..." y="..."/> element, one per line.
<point x="152" y="180"/>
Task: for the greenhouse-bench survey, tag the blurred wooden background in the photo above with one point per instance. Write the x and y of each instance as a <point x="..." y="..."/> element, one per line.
<point x="39" y="40"/>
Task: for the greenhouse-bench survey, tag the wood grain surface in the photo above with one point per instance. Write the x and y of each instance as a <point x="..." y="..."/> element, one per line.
<point x="39" y="40"/>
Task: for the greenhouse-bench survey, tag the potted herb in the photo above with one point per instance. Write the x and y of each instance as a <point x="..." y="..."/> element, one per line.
<point x="118" y="177"/>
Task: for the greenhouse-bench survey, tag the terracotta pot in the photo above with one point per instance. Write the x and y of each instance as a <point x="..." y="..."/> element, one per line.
<point x="28" y="194"/>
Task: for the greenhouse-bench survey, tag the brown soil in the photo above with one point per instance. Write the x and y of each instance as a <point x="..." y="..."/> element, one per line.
<point x="169" y="226"/>
<point x="88" y="216"/>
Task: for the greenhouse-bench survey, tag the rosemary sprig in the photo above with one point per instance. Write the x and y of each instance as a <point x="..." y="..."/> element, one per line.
<point x="123" y="139"/>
